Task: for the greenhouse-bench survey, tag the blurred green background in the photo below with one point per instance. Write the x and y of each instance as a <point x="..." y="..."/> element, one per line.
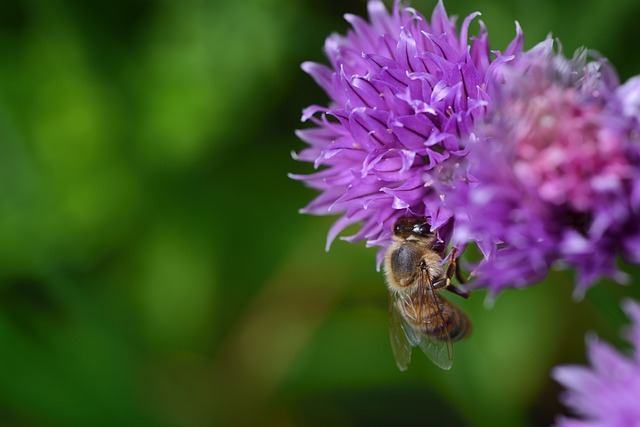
<point x="154" y="270"/>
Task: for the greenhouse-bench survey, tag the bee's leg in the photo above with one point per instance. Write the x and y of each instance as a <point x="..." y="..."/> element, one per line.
<point x="454" y="269"/>
<point x="459" y="276"/>
<point x="457" y="291"/>
<point x="452" y="266"/>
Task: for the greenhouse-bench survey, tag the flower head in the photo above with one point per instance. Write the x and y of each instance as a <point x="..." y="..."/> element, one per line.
<point x="405" y="92"/>
<point x="629" y="95"/>
<point x="607" y="393"/>
<point x="554" y="172"/>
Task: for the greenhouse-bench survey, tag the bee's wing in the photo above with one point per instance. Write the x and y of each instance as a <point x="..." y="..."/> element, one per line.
<point x="440" y="352"/>
<point x="438" y="348"/>
<point x="403" y="337"/>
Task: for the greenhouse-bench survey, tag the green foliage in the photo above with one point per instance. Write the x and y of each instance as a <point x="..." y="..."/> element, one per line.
<point x="154" y="270"/>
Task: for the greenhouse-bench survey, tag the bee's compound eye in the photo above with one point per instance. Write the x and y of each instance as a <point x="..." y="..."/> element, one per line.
<point x="399" y="229"/>
<point x="423" y="229"/>
<point x="403" y="226"/>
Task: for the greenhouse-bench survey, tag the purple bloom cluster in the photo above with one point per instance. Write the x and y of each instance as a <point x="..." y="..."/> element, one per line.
<point x="607" y="393"/>
<point x="405" y="92"/>
<point x="532" y="156"/>
<point x="555" y="168"/>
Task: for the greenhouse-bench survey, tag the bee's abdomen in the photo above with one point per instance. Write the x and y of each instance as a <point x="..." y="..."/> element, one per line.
<point x="460" y="328"/>
<point x="450" y="321"/>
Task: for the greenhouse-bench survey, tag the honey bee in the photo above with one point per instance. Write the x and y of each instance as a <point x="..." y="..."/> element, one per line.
<point x="419" y="316"/>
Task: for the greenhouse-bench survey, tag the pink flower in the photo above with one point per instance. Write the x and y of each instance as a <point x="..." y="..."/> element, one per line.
<point x="555" y="171"/>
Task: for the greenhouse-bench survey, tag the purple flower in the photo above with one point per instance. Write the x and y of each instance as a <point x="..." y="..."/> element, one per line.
<point x="629" y="95"/>
<point x="608" y="392"/>
<point x="553" y="173"/>
<point x="405" y="94"/>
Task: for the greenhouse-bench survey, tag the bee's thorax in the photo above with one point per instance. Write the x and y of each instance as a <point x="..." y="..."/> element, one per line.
<point x="407" y="262"/>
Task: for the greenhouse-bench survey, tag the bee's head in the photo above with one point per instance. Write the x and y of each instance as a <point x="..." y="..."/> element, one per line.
<point x="408" y="226"/>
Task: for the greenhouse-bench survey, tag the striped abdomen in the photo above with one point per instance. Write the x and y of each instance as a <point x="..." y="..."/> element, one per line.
<point x="438" y="320"/>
